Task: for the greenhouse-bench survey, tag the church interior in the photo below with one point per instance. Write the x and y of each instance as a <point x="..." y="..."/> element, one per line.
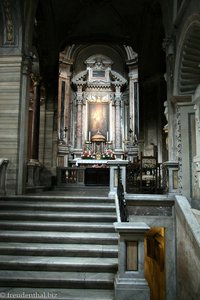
<point x="100" y="149"/>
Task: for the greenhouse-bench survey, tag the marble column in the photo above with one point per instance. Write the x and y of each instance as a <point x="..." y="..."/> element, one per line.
<point x="36" y="119"/>
<point x="168" y="47"/>
<point x="118" y="145"/>
<point x="79" y="117"/>
<point x="23" y="124"/>
<point x="64" y="101"/>
<point x="133" y="98"/>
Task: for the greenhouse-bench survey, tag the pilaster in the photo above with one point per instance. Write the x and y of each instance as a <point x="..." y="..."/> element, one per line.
<point x="23" y="124"/>
<point x="118" y="126"/>
<point x="79" y="102"/>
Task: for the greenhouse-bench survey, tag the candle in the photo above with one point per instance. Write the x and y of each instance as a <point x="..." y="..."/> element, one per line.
<point x="89" y="138"/>
<point x="107" y="136"/>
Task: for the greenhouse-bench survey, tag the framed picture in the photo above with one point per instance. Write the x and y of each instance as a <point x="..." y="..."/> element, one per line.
<point x="98" y="118"/>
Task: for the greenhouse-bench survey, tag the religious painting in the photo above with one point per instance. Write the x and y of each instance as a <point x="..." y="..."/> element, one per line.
<point x="98" y="118"/>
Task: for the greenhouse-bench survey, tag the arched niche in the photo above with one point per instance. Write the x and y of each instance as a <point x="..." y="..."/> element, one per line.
<point x="11" y="27"/>
<point x="99" y="78"/>
<point x="187" y="71"/>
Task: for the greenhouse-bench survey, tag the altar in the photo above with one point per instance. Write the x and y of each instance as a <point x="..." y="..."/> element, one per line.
<point x="103" y="172"/>
<point x="91" y="162"/>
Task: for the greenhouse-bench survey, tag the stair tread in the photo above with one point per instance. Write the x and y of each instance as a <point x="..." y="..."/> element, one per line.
<point x="52" y="213"/>
<point x="66" y="214"/>
<point x="56" y="198"/>
<point x="58" y="294"/>
<point x="55" y="260"/>
<point x="61" y="245"/>
<point x="56" y="276"/>
<point x="55" y="234"/>
<point x="36" y="202"/>
<point x="56" y="206"/>
<point x="43" y="246"/>
<point x="57" y="224"/>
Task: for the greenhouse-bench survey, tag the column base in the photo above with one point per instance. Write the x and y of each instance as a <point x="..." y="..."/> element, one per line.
<point x="129" y="288"/>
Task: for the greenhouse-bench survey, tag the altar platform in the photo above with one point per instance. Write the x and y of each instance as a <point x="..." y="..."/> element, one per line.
<point x="97" y="172"/>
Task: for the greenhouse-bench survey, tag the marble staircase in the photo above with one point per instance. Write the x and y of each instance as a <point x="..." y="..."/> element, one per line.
<point x="57" y="247"/>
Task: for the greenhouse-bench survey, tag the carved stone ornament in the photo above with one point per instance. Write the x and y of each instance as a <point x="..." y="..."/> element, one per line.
<point x="179" y="147"/>
<point x="168" y="45"/>
<point x="196" y="160"/>
<point x="196" y="101"/>
<point x="196" y="169"/>
<point x="98" y="98"/>
<point x="9" y="27"/>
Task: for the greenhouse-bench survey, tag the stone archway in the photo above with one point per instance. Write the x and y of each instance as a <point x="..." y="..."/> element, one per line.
<point x="187" y="65"/>
<point x="187" y="78"/>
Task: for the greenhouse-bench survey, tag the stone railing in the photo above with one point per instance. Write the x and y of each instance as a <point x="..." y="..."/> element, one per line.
<point x="130" y="282"/>
<point x="70" y="175"/>
<point x="120" y="199"/>
<point x="3" y="167"/>
<point x="188" y="249"/>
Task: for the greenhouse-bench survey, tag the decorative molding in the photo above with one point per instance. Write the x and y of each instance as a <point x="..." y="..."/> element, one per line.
<point x="168" y="45"/>
<point x="179" y="147"/>
<point x="35" y="79"/>
<point x="80" y="78"/>
<point x="96" y="98"/>
<point x="9" y="25"/>
<point x="181" y="99"/>
<point x="98" y="62"/>
<point x="26" y="65"/>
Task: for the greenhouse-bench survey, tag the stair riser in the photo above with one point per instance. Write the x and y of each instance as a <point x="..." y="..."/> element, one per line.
<point x="104" y="209"/>
<point x="60" y="253"/>
<point x="56" y="228"/>
<point x="17" y="266"/>
<point x="38" y="246"/>
<point x="58" y="218"/>
<point x="57" y="199"/>
<point x="57" y="284"/>
<point x="57" y="240"/>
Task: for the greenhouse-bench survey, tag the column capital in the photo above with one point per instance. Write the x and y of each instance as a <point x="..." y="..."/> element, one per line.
<point x="168" y="45"/>
<point x="133" y="75"/>
<point x="79" y="95"/>
<point x="26" y="65"/>
<point x="118" y="101"/>
<point x="36" y="79"/>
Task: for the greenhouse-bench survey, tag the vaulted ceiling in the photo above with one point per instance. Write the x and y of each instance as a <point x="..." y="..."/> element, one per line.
<point x="137" y="23"/>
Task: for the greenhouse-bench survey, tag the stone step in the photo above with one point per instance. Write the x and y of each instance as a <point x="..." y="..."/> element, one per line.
<point x="59" y="264"/>
<point x="57" y="294"/>
<point x="65" y="247"/>
<point x="56" y="199"/>
<point x="49" y="206"/>
<point x="58" y="216"/>
<point x="44" y="249"/>
<point x="54" y="279"/>
<point x="58" y="237"/>
<point x="57" y="226"/>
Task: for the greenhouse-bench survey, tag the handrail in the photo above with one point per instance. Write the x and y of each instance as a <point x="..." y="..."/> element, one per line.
<point x="121" y="200"/>
<point x="3" y="166"/>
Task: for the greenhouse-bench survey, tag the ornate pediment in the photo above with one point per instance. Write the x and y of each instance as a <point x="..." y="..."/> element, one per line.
<point x="117" y="79"/>
<point x="80" y="78"/>
<point x="99" y="74"/>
